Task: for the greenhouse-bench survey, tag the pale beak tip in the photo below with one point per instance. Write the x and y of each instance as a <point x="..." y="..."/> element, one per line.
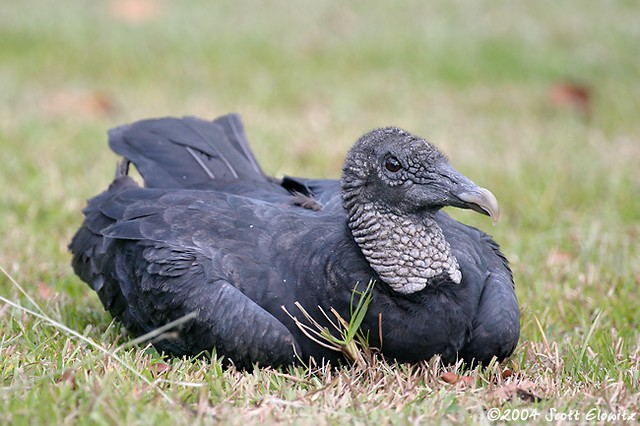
<point x="485" y="201"/>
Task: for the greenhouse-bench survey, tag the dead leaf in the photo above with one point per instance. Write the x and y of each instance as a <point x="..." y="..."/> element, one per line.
<point x="79" y="103"/>
<point x="571" y="95"/>
<point x="159" y="368"/>
<point x="455" y="379"/>
<point x="44" y="291"/>
<point x="506" y="373"/>
<point x="68" y="377"/>
<point x="450" y="377"/>
<point x="557" y="257"/>
<point x="135" y="11"/>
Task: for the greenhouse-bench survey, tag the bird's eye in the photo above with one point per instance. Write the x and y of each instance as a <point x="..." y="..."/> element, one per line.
<point x="392" y="164"/>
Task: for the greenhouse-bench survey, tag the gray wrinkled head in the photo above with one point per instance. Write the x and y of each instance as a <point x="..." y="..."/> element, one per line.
<point x="392" y="185"/>
<point x="405" y="174"/>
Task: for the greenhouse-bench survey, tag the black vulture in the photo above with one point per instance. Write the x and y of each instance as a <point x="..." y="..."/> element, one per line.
<point x="211" y="235"/>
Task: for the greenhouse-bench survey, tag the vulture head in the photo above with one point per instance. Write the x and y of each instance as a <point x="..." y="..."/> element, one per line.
<point x="393" y="184"/>
<point x="405" y="175"/>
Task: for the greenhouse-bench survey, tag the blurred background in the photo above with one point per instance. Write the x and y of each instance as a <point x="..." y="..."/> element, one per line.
<point x="538" y="100"/>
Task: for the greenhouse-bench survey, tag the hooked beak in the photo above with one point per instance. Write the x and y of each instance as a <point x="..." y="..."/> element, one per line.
<point x="464" y="193"/>
<point x="482" y="201"/>
<point x="451" y="188"/>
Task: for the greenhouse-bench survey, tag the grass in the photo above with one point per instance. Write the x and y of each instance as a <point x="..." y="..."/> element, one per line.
<point x="474" y="77"/>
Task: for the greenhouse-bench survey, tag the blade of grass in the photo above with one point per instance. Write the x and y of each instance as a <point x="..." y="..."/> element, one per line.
<point x="588" y="337"/>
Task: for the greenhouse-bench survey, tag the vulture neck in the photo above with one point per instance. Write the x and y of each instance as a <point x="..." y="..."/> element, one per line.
<point x="407" y="252"/>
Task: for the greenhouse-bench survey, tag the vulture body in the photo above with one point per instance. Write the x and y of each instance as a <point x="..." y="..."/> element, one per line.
<point x="212" y="236"/>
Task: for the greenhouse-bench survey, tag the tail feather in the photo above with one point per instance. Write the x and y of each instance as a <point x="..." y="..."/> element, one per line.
<point x="235" y="132"/>
<point x="187" y="152"/>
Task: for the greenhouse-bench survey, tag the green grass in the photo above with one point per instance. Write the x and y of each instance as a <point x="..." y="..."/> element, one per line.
<point x="309" y="78"/>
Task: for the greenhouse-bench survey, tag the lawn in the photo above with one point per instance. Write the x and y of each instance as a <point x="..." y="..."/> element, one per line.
<point x="537" y="100"/>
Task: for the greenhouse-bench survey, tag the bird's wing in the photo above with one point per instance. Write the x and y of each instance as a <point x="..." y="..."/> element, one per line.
<point x="170" y="282"/>
<point x="496" y="324"/>
<point x="187" y="152"/>
<point x="148" y="274"/>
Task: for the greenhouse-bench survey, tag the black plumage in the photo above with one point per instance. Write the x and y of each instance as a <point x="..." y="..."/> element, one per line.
<point x="211" y="234"/>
